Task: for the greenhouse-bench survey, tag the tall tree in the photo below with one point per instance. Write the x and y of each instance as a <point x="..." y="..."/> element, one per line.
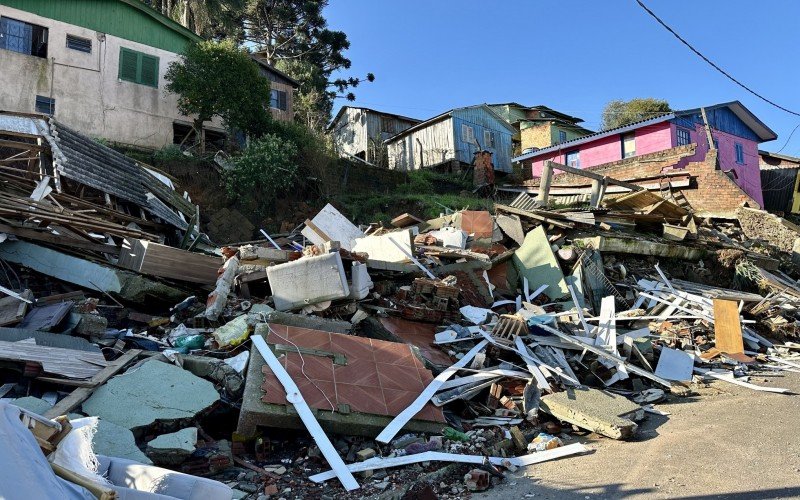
<point x="618" y="113"/>
<point x="208" y="18"/>
<point x="293" y="35"/>
<point x="220" y="79"/>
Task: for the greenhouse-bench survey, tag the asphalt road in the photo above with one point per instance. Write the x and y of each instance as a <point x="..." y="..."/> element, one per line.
<point x="725" y="442"/>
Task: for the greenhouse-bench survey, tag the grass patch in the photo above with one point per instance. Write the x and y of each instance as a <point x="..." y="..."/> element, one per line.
<point x="383" y="208"/>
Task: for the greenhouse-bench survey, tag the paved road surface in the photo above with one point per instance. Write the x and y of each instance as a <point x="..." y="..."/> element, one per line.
<point x="727" y="442"/>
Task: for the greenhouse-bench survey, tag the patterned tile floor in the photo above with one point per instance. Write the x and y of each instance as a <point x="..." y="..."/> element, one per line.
<point x="380" y="378"/>
<point x="419" y="335"/>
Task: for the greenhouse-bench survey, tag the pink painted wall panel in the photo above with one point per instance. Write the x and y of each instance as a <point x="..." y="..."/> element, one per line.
<point x="654" y="138"/>
<point x="748" y="175"/>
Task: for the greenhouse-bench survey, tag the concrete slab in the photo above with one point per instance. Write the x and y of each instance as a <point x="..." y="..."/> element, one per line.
<point x="637" y="246"/>
<point x="307" y="281"/>
<point x="174" y="448"/>
<point x="535" y="260"/>
<point x="154" y="391"/>
<point x="33" y="404"/>
<point x="112" y="440"/>
<point x="604" y="413"/>
<point x="359" y="386"/>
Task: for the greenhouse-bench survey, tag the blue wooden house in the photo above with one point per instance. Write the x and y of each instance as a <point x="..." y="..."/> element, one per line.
<point x="453" y="136"/>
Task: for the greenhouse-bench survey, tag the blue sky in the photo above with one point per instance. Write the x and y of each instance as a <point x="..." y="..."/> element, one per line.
<point x="429" y="56"/>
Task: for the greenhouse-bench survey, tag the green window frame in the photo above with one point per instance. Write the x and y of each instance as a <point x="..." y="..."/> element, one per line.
<point x="137" y="67"/>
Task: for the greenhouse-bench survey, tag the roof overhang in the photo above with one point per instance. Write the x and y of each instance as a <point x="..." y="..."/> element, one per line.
<point x="763" y="132"/>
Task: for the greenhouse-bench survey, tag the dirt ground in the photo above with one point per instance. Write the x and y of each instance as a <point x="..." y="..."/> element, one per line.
<point x="727" y="442"/>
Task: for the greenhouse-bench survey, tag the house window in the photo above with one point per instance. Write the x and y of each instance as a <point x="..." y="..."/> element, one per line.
<point x="739" y="153"/>
<point x="628" y="145"/>
<point x="138" y="68"/>
<point x="562" y="136"/>
<point x="80" y="44"/>
<point x="277" y="99"/>
<point x="387" y="125"/>
<point x="683" y="137"/>
<point x="45" y="105"/>
<point x="467" y="133"/>
<point x="573" y="159"/>
<point x="488" y="139"/>
<point x="22" y="37"/>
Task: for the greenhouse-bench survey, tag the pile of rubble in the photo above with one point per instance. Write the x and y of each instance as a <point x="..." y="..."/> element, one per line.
<point x="419" y="360"/>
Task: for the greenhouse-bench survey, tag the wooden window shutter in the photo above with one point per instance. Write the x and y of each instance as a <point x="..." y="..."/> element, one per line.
<point x="128" y="64"/>
<point x="149" y="70"/>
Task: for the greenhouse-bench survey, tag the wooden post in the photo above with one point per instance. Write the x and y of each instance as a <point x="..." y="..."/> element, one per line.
<point x="544" y="182"/>
<point x="708" y="129"/>
<point x="597" y="186"/>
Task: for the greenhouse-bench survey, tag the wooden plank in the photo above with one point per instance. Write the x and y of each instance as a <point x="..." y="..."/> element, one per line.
<point x="294" y="396"/>
<point x="389" y="432"/>
<point x="81" y="394"/>
<point x="164" y="261"/>
<point x="53" y="360"/>
<point x="531" y="215"/>
<point x="406" y="219"/>
<point x="592" y="175"/>
<point x="12" y="309"/>
<point x="728" y="327"/>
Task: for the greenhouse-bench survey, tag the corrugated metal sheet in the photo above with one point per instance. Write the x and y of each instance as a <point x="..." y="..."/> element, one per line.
<point x="778" y="188"/>
<point x="131" y="20"/>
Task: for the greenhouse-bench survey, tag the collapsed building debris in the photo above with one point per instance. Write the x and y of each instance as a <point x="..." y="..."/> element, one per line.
<point x="490" y="341"/>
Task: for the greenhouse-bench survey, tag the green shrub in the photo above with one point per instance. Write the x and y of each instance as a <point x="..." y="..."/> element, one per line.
<point x="267" y="167"/>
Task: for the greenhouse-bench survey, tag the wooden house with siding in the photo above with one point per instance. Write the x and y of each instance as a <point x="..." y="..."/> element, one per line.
<point x="360" y="132"/>
<point x="453" y="136"/>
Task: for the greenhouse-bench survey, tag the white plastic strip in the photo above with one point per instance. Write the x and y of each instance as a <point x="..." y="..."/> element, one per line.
<point x="437" y="456"/>
<point x="293" y="396"/>
<point x="391" y="430"/>
<point x="731" y="379"/>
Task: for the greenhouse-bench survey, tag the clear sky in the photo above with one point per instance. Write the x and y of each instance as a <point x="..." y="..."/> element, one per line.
<point x="429" y="56"/>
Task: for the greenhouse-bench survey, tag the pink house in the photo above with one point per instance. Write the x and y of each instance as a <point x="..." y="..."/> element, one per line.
<point x="736" y="133"/>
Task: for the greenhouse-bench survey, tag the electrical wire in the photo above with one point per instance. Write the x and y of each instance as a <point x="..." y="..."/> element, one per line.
<point x="788" y="138"/>
<point x="728" y="75"/>
<point x="302" y="362"/>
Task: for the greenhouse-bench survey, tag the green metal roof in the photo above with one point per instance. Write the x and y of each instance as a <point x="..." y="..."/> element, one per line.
<point x="129" y="19"/>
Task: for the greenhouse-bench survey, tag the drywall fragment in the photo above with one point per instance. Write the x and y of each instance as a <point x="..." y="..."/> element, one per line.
<point x="360" y="281"/>
<point x="535" y="261"/>
<point x="451" y="237"/>
<point x="674" y="364"/>
<point x="389" y="247"/>
<point x="604" y="413"/>
<point x="330" y="225"/>
<point x="308" y="281"/>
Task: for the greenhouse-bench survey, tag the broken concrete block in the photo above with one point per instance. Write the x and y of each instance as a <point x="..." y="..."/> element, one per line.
<point x="173" y="449"/>
<point x="30" y="403"/>
<point x="307" y="281"/>
<point x="512" y="227"/>
<point x="360" y="282"/>
<point x="112" y="440"/>
<point x="365" y="454"/>
<point x="535" y="261"/>
<point x="604" y="413"/>
<point x="477" y="480"/>
<point x="330" y="225"/>
<point x="154" y="391"/>
<point x="92" y="325"/>
<point x="390" y="247"/>
<point x="269" y="254"/>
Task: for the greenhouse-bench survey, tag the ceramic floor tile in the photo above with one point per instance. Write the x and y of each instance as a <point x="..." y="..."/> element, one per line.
<point x="315" y="367"/>
<point x="315" y="393"/>
<point x="399" y="377"/>
<point x="277" y="331"/>
<point x="393" y="353"/>
<point x="350" y="346"/>
<point x="431" y="413"/>
<point x="361" y="399"/>
<point x="363" y="372"/>
<point x="479" y="223"/>
<point x="397" y="400"/>
<point x="425" y="376"/>
<point x="311" y="339"/>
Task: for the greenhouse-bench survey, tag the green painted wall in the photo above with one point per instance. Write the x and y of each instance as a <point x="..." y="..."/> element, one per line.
<point x="128" y="19"/>
<point x="571" y="133"/>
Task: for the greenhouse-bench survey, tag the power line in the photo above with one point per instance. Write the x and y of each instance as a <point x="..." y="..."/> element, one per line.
<point x="788" y="138"/>
<point x="734" y="80"/>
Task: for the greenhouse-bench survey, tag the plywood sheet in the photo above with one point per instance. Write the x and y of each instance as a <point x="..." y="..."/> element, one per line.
<point x="728" y="327"/>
